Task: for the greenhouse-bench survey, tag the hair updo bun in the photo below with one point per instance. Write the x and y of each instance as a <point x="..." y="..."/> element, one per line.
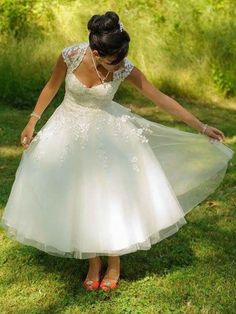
<point x="106" y="36"/>
<point x="105" y="23"/>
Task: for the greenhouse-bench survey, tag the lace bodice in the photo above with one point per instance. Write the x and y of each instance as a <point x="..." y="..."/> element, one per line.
<point x="90" y="116"/>
<point x="97" y="96"/>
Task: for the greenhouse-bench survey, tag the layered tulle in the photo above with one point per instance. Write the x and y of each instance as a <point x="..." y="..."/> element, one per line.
<point x="108" y="182"/>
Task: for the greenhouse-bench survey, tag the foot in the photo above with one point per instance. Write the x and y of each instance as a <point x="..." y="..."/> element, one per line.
<point x="92" y="279"/>
<point x="112" y="274"/>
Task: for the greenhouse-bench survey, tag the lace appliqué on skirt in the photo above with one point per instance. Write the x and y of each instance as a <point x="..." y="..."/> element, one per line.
<point x="88" y="124"/>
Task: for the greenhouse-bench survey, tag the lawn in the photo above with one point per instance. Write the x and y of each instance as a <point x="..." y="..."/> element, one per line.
<point x="188" y="52"/>
<point x="192" y="271"/>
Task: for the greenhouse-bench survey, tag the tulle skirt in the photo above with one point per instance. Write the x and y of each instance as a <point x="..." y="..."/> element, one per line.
<point x="109" y="182"/>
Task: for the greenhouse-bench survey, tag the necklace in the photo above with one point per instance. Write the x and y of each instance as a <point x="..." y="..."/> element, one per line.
<point x="102" y="79"/>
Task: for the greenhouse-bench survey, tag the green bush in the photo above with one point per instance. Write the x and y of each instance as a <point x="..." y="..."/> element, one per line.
<point x="24" y="18"/>
<point x="187" y="50"/>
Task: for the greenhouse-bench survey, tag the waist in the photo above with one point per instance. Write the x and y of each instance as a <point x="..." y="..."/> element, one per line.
<point x="83" y="109"/>
<point x="96" y="104"/>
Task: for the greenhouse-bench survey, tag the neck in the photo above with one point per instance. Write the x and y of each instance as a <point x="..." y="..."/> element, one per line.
<point x="93" y="58"/>
<point x="96" y="63"/>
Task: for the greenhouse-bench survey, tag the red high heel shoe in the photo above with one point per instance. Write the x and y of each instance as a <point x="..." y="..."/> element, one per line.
<point x="90" y="285"/>
<point x="108" y="284"/>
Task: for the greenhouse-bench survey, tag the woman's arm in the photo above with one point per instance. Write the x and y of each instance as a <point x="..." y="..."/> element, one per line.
<point x="45" y="97"/>
<point x="49" y="90"/>
<point x="166" y="103"/>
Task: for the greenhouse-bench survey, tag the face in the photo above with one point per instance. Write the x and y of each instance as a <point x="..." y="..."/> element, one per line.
<point x="106" y="62"/>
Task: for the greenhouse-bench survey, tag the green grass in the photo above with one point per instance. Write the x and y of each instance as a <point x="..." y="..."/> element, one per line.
<point x="193" y="271"/>
<point x="188" y="52"/>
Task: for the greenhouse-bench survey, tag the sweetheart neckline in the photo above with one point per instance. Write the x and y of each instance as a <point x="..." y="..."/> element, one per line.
<point x="101" y="84"/>
<point x="83" y="47"/>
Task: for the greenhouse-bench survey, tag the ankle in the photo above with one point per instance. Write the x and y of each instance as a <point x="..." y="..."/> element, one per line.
<point x="96" y="259"/>
<point x="95" y="262"/>
<point x="113" y="259"/>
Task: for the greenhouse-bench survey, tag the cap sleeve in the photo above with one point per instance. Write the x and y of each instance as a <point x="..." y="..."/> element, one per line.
<point x="69" y="55"/>
<point x="125" y="71"/>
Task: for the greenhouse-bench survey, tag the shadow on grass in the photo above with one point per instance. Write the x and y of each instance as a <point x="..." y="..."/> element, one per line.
<point x="201" y="241"/>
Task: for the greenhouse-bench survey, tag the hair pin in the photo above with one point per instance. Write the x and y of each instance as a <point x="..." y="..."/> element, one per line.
<point x="121" y="26"/>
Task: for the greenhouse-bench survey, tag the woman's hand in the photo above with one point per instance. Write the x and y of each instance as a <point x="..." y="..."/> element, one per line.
<point x="26" y="135"/>
<point x="214" y="133"/>
<point x="168" y="104"/>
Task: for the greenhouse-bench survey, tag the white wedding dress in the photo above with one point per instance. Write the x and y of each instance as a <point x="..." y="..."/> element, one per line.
<point x="98" y="179"/>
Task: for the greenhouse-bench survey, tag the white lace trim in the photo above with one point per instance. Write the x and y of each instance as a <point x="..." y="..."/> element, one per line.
<point x="74" y="54"/>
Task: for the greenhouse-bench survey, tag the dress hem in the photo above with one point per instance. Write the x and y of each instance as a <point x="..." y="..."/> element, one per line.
<point x="144" y="245"/>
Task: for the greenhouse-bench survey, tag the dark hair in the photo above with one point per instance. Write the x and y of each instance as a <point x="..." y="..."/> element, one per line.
<point x="106" y="37"/>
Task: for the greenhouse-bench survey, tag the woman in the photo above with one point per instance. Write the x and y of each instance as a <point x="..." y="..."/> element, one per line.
<point x="98" y="179"/>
